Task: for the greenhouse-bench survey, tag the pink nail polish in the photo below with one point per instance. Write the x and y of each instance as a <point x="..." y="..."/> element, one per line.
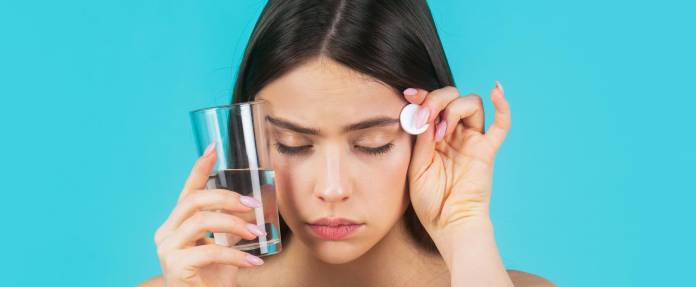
<point x="253" y="259"/>
<point x="255" y="229"/>
<point x="500" y="86"/>
<point x="410" y="92"/>
<point x="249" y="201"/>
<point x="440" y="132"/>
<point x="422" y="116"/>
<point x="209" y="149"/>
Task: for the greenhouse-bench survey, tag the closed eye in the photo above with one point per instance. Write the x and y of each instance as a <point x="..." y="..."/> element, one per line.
<point x="377" y="150"/>
<point x="292" y="150"/>
<point x="298" y="150"/>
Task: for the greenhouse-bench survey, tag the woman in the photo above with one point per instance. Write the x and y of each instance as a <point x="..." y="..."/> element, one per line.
<point x="336" y="75"/>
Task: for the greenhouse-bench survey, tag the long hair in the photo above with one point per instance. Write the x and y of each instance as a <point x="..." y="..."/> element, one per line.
<point x="395" y="42"/>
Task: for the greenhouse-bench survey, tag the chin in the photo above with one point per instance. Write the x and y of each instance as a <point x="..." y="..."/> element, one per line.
<point x="337" y="252"/>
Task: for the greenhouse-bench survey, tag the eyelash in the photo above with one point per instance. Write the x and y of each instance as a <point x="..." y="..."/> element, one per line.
<point x="296" y="150"/>
<point x="291" y="149"/>
<point x="378" y="150"/>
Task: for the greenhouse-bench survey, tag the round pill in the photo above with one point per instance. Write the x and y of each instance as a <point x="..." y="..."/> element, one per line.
<point x="408" y="120"/>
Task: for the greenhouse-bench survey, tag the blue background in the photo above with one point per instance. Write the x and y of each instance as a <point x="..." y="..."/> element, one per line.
<point x="593" y="186"/>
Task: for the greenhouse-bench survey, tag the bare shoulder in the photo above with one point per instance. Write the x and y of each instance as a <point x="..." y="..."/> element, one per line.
<point x="247" y="276"/>
<point x="156" y="281"/>
<point x="525" y="279"/>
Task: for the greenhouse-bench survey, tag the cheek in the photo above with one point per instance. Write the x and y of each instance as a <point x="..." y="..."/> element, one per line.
<point x="294" y="177"/>
<point x="382" y="184"/>
<point x="389" y="169"/>
<point x="283" y="183"/>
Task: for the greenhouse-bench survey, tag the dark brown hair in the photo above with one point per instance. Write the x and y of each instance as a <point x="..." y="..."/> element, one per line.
<point x="395" y="42"/>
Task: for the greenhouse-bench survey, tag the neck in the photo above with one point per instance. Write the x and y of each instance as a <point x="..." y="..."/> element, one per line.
<point x="396" y="260"/>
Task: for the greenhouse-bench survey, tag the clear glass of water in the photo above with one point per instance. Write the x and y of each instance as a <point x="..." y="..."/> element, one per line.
<point x="243" y="166"/>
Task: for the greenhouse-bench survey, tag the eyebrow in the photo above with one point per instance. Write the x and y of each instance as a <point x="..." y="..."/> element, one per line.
<point x="369" y="123"/>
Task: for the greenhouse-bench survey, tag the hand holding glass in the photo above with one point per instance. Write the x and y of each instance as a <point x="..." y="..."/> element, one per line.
<point x="243" y="166"/>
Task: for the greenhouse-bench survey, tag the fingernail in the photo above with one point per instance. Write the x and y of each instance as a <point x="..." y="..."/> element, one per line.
<point x="249" y="201"/>
<point x="410" y="92"/>
<point x="440" y="132"/>
<point x="209" y="149"/>
<point x="253" y="259"/>
<point x="422" y="116"/>
<point x="255" y="229"/>
<point x="500" y="86"/>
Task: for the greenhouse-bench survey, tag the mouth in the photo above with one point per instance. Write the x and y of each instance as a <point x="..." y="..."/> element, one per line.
<point x="334" y="228"/>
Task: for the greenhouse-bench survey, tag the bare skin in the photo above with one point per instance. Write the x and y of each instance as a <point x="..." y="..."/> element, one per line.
<point x="519" y="278"/>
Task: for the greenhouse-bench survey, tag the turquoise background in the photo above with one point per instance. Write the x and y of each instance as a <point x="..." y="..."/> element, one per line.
<point x="593" y="186"/>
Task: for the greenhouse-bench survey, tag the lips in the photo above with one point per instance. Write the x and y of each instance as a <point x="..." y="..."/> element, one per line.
<point x="333" y="228"/>
<point x="334" y="221"/>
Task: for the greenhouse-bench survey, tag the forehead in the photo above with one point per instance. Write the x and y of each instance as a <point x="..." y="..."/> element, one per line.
<point x="325" y="94"/>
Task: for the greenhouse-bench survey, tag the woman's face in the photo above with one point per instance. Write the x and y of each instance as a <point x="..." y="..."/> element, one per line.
<point x="325" y="169"/>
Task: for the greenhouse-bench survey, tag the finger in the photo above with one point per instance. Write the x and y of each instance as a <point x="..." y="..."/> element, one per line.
<point x="211" y="199"/>
<point x="467" y="109"/>
<point x="424" y="149"/>
<point x="200" y="172"/>
<point x="201" y="256"/>
<point x="200" y="223"/>
<point x="414" y="95"/>
<point x="501" y="122"/>
<point x="437" y="100"/>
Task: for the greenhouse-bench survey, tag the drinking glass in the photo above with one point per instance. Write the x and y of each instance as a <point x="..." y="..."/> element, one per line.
<point x="243" y="166"/>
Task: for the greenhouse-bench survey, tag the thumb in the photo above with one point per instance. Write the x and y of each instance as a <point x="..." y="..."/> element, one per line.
<point x="200" y="172"/>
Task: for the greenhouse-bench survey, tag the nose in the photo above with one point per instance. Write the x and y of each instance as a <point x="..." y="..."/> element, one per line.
<point x="333" y="185"/>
